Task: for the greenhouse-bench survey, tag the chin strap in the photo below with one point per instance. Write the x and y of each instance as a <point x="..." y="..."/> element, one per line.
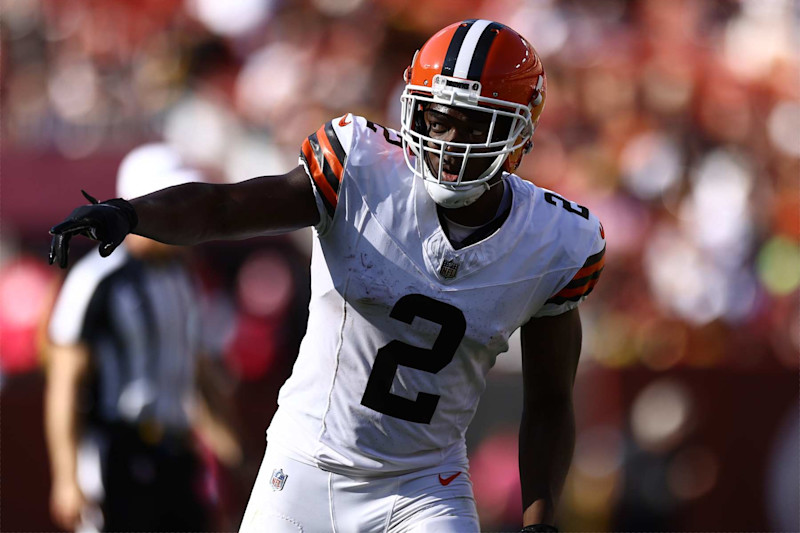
<point x="453" y="199"/>
<point x="496" y="182"/>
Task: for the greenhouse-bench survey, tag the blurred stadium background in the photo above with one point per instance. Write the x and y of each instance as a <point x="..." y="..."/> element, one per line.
<point x="676" y="121"/>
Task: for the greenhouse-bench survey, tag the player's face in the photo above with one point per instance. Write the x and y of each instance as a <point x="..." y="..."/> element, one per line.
<point x="451" y="124"/>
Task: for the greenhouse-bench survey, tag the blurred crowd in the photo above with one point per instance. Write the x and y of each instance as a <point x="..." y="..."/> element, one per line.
<point x="676" y="121"/>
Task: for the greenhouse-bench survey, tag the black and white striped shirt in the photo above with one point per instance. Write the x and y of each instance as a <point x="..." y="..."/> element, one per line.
<point x="140" y="322"/>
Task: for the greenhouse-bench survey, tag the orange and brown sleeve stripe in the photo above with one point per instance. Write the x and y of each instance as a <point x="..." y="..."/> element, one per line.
<point x="325" y="159"/>
<point x="584" y="280"/>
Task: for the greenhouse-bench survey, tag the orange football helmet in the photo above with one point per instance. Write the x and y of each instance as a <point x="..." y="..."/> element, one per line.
<point x="477" y="65"/>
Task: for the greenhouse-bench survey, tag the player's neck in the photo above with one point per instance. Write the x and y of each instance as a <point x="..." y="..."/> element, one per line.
<point x="481" y="212"/>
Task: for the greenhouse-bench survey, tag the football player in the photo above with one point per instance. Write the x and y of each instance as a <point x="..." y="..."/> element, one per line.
<point x="428" y="254"/>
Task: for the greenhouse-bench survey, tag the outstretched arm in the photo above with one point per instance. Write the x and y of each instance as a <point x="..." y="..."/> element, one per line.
<point x="194" y="213"/>
<point x="199" y="212"/>
<point x="551" y="348"/>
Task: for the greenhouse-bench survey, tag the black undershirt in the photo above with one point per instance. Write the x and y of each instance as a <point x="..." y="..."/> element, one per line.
<point x="481" y="232"/>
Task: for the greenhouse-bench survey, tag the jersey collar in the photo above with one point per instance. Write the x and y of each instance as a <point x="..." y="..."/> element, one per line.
<point x="442" y="259"/>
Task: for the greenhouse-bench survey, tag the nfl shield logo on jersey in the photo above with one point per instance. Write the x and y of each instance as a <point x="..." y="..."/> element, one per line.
<point x="449" y="268"/>
<point x="278" y="479"/>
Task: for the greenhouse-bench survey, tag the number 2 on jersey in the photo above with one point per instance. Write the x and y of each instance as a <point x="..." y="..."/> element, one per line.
<point x="378" y="394"/>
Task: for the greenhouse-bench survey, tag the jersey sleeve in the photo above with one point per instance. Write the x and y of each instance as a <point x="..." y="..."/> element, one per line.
<point x="581" y="284"/>
<point x="324" y="156"/>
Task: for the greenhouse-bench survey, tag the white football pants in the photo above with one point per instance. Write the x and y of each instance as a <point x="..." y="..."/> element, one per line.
<point x="292" y="497"/>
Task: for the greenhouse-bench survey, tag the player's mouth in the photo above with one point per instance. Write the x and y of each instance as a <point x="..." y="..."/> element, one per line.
<point x="449" y="176"/>
<point x="450" y="170"/>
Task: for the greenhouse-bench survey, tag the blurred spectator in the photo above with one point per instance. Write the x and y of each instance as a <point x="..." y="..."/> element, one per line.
<point x="25" y="296"/>
<point x="122" y="390"/>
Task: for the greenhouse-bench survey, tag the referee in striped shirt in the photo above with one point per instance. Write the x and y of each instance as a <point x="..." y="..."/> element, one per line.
<point x="121" y="382"/>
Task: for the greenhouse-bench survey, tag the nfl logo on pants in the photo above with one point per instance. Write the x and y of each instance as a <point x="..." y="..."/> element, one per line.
<point x="278" y="479"/>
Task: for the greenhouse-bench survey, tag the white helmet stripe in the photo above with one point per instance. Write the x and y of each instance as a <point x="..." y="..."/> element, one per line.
<point x="468" y="48"/>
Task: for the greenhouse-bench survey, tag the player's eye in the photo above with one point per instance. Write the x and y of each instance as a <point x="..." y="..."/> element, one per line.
<point x="479" y="134"/>
<point x="437" y="127"/>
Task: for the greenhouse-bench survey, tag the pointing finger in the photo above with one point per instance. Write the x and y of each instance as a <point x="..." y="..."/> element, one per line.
<point x="59" y="250"/>
<point x="70" y="226"/>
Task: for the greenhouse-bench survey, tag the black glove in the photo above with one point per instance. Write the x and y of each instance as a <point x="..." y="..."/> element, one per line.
<point x="108" y="222"/>
<point x="539" y="528"/>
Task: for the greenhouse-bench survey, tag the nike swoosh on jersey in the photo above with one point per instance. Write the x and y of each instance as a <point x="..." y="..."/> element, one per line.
<point x="344" y="122"/>
<point x="446" y="480"/>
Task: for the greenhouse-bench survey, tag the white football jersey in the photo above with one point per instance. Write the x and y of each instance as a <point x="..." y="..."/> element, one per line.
<point x="403" y="328"/>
